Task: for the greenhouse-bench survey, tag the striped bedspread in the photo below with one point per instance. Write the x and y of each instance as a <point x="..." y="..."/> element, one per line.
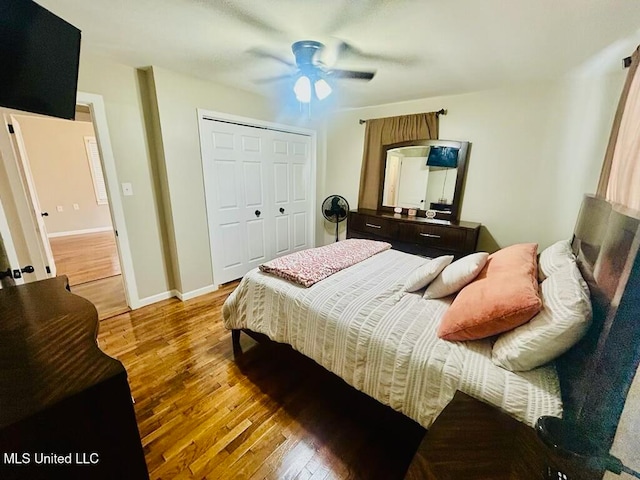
<point x="360" y="325"/>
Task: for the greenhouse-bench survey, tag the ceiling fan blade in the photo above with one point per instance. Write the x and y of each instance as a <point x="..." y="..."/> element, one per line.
<point x="354" y="12"/>
<point x="259" y="52"/>
<point x="278" y="78"/>
<point x="346" y="50"/>
<point x="352" y="74"/>
<point x="246" y="16"/>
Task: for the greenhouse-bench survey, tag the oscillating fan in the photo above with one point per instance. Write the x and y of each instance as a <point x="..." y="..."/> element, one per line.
<point x="335" y="209"/>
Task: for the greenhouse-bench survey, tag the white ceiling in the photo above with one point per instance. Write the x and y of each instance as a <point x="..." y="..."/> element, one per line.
<point x="441" y="46"/>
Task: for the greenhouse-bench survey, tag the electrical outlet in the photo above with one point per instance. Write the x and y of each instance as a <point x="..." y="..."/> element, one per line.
<point x="76" y="206"/>
<point x="60" y="208"/>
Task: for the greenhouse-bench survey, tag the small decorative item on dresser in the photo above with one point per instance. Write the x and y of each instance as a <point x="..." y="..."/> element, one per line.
<point x="412" y="212"/>
<point x="431" y="214"/>
<point x="397" y="210"/>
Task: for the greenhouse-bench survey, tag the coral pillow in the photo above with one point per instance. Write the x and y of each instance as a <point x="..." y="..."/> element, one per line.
<point x="424" y="274"/>
<point x="503" y="296"/>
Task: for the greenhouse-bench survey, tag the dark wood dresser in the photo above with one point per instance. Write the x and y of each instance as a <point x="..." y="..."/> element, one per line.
<point x="417" y="235"/>
<point x="472" y="440"/>
<point x="65" y="407"/>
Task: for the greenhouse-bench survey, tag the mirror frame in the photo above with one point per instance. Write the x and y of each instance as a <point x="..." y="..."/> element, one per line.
<point x="462" y="171"/>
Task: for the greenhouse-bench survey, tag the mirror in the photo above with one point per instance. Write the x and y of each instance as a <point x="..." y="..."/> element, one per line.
<point x="426" y="175"/>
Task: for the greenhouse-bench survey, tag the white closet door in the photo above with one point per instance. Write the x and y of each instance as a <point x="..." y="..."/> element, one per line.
<point x="237" y="201"/>
<point x="259" y="194"/>
<point x="290" y="163"/>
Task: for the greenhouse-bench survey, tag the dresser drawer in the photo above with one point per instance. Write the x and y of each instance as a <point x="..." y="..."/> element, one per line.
<point x="437" y="236"/>
<point x="377" y="226"/>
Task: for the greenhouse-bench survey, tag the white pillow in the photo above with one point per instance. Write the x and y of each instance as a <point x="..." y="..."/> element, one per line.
<point x="424" y="274"/>
<point x="554" y="257"/>
<point x="565" y="317"/>
<point x="456" y="275"/>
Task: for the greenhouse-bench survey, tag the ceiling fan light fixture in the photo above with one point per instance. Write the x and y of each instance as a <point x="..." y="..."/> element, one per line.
<point x="322" y="88"/>
<point x="302" y="89"/>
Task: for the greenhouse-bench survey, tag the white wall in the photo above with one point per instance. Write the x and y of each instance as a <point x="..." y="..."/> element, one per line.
<point x="118" y="85"/>
<point x="536" y="149"/>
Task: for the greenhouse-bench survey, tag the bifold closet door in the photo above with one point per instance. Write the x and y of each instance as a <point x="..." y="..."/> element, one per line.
<point x="257" y="192"/>
<point x="237" y="207"/>
<point x="290" y="164"/>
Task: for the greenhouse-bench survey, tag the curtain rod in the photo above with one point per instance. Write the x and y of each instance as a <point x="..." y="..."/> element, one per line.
<point x="442" y="111"/>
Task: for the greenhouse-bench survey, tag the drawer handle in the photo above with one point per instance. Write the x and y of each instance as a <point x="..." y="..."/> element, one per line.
<point x="372" y="225"/>
<point x="430" y="235"/>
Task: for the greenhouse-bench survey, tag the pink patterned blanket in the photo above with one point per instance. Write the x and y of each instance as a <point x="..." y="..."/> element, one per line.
<point x="310" y="266"/>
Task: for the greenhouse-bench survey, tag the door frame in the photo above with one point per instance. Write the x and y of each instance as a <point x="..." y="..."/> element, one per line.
<point x="95" y="103"/>
<point x="208" y="115"/>
<point x="96" y="106"/>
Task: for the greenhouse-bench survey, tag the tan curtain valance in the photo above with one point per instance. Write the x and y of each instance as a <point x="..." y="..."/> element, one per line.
<point x="385" y="131"/>
<point x="620" y="176"/>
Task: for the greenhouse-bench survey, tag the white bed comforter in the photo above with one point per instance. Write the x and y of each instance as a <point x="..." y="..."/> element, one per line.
<point x="360" y="325"/>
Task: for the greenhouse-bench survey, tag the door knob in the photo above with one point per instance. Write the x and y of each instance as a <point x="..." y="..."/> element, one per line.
<point x="257" y="212"/>
<point x="281" y="210"/>
<point x="26" y="269"/>
<point x="44" y="214"/>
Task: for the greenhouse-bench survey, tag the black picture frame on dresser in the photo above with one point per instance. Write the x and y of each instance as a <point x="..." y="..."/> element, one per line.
<point x="416" y="235"/>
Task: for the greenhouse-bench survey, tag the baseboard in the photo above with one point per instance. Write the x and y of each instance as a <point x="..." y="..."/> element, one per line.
<point x="143" y="302"/>
<point x="79" y="232"/>
<point x="195" y="293"/>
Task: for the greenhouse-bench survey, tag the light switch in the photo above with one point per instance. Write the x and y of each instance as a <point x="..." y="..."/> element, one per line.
<point x="76" y="206"/>
<point x="127" y="189"/>
<point x="60" y="208"/>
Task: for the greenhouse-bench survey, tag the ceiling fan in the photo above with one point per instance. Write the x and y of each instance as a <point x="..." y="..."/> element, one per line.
<point x="313" y="78"/>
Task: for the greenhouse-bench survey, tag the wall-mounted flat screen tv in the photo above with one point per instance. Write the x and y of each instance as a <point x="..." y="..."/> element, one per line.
<point x="39" y="55"/>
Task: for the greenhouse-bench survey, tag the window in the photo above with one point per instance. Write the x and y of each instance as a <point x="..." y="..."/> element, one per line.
<point x="93" y="154"/>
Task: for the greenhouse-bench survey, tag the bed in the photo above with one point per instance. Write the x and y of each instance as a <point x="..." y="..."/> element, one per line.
<point x="361" y="325"/>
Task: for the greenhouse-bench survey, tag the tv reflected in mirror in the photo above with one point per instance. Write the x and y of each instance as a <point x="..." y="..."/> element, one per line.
<point x="426" y="175"/>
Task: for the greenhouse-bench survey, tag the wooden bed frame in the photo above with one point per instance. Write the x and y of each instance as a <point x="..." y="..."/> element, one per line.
<point x="596" y="374"/>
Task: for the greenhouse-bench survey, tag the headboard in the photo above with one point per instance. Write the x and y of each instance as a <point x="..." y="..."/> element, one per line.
<point x="595" y="375"/>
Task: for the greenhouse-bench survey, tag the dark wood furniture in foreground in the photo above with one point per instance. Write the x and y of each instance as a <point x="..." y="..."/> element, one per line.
<point x="472" y="440"/>
<point x="417" y="235"/>
<point x="62" y="400"/>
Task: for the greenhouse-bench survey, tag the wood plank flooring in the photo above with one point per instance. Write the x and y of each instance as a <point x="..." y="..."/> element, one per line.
<point x="91" y="263"/>
<point x="268" y="414"/>
<point x="87" y="257"/>
<point x="107" y="294"/>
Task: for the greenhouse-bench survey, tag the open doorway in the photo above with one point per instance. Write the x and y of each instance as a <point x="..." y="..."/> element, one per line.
<point x="63" y="162"/>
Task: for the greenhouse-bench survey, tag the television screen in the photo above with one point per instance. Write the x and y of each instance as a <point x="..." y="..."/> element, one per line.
<point x="39" y="55"/>
<point x="443" y="157"/>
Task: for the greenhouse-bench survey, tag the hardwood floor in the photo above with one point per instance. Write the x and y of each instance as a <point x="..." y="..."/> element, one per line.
<point x="90" y="262"/>
<point x="269" y="414"/>
<point x="87" y="257"/>
<point x="107" y="294"/>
